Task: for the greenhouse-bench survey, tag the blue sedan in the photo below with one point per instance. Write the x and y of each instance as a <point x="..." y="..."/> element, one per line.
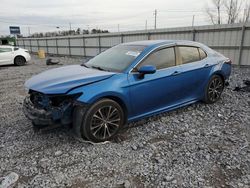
<point x="125" y="83"/>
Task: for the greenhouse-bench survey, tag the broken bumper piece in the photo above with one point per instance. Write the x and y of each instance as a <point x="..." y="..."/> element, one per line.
<point x="53" y="115"/>
<point x="38" y="116"/>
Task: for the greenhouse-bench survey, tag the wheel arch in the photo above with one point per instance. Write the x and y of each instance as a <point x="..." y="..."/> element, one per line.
<point x="119" y="101"/>
<point x="19" y="56"/>
<point x="113" y="97"/>
<point x="219" y="73"/>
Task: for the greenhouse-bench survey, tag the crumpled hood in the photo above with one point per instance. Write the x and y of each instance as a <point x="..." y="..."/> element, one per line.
<point x="60" y="80"/>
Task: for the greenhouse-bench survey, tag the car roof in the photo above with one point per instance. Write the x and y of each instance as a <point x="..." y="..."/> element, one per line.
<point x="6" y="46"/>
<point x="161" y="42"/>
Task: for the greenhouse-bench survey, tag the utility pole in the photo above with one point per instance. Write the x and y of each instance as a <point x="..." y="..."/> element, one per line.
<point x="155" y="14"/>
<point x="146" y="25"/>
<point x="244" y="15"/>
<point x="118" y="27"/>
<point x="193" y="21"/>
<point x="29" y="31"/>
<point x="70" y="28"/>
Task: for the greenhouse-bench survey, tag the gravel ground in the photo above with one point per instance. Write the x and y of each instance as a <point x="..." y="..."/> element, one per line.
<point x="196" y="146"/>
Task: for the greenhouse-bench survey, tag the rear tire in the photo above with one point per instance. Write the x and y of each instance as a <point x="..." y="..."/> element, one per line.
<point x="19" y="61"/>
<point x="214" y="89"/>
<point x="100" y="122"/>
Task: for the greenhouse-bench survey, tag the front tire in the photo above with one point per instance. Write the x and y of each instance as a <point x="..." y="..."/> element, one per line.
<point x="100" y="122"/>
<point x="19" y="61"/>
<point x="214" y="89"/>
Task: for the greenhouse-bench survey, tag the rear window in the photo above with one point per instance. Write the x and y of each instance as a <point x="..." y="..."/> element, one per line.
<point x="189" y="54"/>
<point x="203" y="54"/>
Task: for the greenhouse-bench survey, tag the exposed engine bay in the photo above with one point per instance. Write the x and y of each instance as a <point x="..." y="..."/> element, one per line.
<point x="49" y="109"/>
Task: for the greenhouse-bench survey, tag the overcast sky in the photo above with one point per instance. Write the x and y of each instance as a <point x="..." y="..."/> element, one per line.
<point x="46" y="15"/>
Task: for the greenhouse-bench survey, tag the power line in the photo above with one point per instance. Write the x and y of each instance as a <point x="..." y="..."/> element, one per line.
<point x="30" y="24"/>
<point x="202" y="11"/>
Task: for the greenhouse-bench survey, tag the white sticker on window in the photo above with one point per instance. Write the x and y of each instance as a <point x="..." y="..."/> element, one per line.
<point x="133" y="53"/>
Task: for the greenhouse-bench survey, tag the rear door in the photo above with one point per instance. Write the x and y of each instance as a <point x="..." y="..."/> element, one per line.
<point x="6" y="55"/>
<point x="195" y="71"/>
<point x="158" y="91"/>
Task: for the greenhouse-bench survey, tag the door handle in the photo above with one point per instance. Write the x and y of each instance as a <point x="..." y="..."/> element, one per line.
<point x="207" y="65"/>
<point x="176" y="73"/>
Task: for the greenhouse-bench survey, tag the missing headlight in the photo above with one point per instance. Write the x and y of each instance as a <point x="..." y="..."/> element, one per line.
<point x="39" y="100"/>
<point x="44" y="101"/>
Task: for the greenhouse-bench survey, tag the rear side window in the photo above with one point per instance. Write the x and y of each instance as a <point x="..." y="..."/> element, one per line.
<point x="160" y="59"/>
<point x="203" y="54"/>
<point x="189" y="54"/>
<point x="5" y="50"/>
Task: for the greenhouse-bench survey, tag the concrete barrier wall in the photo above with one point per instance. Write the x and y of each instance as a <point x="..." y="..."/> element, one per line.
<point x="232" y="40"/>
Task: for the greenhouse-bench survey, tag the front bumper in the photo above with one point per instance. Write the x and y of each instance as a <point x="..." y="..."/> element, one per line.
<point x="55" y="115"/>
<point x="38" y="116"/>
<point x="27" y="57"/>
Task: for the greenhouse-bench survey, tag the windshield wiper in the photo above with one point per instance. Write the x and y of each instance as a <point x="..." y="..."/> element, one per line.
<point x="99" y="68"/>
<point x="83" y="64"/>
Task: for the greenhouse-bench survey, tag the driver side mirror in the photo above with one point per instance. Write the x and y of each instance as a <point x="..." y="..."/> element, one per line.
<point x="146" y="69"/>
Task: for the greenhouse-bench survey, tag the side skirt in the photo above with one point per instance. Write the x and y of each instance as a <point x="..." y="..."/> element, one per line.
<point x="166" y="109"/>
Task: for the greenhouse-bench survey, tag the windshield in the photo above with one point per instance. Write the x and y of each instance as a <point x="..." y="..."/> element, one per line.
<point x="115" y="59"/>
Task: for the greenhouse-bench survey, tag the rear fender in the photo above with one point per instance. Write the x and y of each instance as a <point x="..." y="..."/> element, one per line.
<point x="223" y="69"/>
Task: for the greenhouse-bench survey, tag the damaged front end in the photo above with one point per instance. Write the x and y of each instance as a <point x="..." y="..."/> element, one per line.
<point x="43" y="109"/>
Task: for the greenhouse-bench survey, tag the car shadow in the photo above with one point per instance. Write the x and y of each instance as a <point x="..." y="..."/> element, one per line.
<point x="6" y="66"/>
<point x="123" y="135"/>
<point x="12" y="65"/>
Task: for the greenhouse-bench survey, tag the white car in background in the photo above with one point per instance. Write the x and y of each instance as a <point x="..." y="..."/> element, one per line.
<point x="13" y="55"/>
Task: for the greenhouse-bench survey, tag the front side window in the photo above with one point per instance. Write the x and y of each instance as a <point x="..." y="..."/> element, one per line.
<point x="116" y="59"/>
<point x="160" y="59"/>
<point x="5" y="50"/>
<point x="189" y="54"/>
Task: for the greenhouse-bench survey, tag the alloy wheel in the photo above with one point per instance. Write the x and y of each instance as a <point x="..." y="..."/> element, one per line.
<point x="105" y="122"/>
<point x="215" y="89"/>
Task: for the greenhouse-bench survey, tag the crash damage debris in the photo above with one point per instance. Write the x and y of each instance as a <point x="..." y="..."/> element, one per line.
<point x="51" y="61"/>
<point x="48" y="110"/>
<point x="245" y="88"/>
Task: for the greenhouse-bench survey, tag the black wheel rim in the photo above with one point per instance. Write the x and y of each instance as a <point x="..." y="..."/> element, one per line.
<point x="215" y="89"/>
<point x="19" y="61"/>
<point x="105" y="122"/>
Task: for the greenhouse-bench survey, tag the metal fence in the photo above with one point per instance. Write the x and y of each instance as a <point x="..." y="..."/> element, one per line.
<point x="232" y="40"/>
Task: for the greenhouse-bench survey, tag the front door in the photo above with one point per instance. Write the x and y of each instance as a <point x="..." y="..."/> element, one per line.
<point x="158" y="91"/>
<point x="6" y="55"/>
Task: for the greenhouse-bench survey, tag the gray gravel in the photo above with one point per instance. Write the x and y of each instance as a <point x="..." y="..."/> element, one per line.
<point x="196" y="146"/>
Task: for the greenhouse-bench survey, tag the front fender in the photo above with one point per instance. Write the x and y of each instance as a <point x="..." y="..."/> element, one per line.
<point x="116" y="87"/>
